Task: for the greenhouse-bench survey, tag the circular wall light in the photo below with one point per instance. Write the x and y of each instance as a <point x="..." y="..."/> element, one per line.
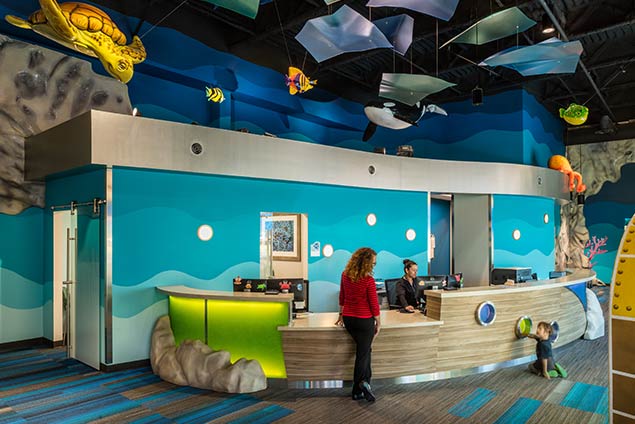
<point x="411" y="234"/>
<point x="327" y="250"/>
<point x="516" y="234"/>
<point x="485" y="313"/>
<point x="523" y="327"/>
<point x="371" y="219"/>
<point x="545" y="218"/>
<point x="205" y="232"/>
<point x="555" y="332"/>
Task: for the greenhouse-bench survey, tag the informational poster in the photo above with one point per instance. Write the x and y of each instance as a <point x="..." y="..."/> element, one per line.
<point x="315" y="249"/>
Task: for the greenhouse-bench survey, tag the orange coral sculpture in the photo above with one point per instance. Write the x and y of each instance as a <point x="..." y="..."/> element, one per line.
<point x="560" y="163"/>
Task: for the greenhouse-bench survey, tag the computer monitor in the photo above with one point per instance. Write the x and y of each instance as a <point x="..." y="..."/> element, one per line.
<point x="429" y="282"/>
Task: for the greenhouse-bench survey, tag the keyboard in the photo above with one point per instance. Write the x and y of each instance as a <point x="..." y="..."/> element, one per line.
<point x="272" y="292"/>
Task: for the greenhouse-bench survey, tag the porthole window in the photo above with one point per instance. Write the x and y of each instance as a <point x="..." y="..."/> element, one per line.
<point x="516" y="234"/>
<point x="327" y="250"/>
<point x="486" y="313"/>
<point x="411" y="234"/>
<point x="523" y="327"/>
<point x="371" y="219"/>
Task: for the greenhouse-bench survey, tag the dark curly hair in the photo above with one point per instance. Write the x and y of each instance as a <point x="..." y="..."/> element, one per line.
<point x="407" y="264"/>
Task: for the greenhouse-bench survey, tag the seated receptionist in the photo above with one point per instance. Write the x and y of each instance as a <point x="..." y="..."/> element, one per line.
<point x="407" y="288"/>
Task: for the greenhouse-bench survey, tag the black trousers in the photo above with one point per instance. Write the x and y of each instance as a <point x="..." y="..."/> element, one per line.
<point x="362" y="330"/>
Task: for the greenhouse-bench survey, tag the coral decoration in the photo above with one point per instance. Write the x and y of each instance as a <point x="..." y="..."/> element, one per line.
<point x="560" y="163"/>
<point x="594" y="248"/>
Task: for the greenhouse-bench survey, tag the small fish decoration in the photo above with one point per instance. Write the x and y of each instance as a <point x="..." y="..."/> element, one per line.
<point x="575" y="114"/>
<point x="214" y="94"/>
<point x="298" y="82"/>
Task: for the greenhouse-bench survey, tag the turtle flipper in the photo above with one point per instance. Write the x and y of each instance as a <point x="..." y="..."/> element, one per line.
<point x="57" y="20"/>
<point x="135" y="51"/>
<point x="19" y="22"/>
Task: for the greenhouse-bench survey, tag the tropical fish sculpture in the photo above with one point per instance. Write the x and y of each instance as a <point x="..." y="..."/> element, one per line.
<point x="560" y="163"/>
<point x="575" y="114"/>
<point x="298" y="82"/>
<point x="88" y="30"/>
<point x="214" y="94"/>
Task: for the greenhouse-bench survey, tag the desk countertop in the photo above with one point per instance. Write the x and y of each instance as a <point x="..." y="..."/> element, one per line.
<point x="326" y="321"/>
<point x="184" y="291"/>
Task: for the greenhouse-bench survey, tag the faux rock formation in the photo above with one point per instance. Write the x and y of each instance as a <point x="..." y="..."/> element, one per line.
<point x="195" y="364"/>
<point x="39" y="89"/>
<point x="598" y="163"/>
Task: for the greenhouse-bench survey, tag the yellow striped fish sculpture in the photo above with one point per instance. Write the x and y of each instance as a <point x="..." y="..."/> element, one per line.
<point x="298" y="82"/>
<point x="214" y="94"/>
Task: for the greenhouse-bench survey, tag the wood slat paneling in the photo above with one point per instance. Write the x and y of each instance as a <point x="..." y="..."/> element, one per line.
<point x="326" y="355"/>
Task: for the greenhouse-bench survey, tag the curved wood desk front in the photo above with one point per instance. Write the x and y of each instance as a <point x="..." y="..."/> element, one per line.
<point x="448" y="342"/>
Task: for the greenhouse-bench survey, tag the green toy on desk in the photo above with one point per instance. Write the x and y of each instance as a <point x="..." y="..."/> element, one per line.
<point x="261" y="287"/>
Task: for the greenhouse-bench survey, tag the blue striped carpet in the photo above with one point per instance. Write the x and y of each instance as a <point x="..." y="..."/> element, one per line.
<point x="472" y="403"/>
<point x="41" y="386"/>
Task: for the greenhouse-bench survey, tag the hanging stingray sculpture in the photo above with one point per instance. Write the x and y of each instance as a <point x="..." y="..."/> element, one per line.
<point x="442" y="9"/>
<point x="398" y="30"/>
<point x="499" y="25"/>
<point x="248" y="8"/>
<point x="342" y="32"/>
<point x="551" y="56"/>
<point x="409" y="89"/>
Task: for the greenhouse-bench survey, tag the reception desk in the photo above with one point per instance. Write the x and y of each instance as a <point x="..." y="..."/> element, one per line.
<point x="310" y="351"/>
<point x="448" y="342"/>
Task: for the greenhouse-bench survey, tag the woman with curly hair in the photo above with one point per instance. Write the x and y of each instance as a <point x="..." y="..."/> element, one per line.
<point x="359" y="313"/>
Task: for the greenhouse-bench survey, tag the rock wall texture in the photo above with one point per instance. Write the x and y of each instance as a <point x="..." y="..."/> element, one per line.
<point x="195" y="364"/>
<point x="598" y="163"/>
<point x="39" y="89"/>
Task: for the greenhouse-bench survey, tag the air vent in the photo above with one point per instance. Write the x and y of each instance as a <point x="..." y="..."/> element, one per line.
<point x="196" y="148"/>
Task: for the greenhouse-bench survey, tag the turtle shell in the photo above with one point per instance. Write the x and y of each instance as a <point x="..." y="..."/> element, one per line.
<point x="86" y="18"/>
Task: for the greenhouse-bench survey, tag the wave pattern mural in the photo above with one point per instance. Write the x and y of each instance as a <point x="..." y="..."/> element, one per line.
<point x="21" y="285"/>
<point x="535" y="247"/>
<point x="156" y="216"/>
<point x="606" y="214"/>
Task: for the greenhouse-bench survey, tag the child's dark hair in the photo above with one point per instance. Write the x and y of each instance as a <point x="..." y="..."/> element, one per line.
<point x="546" y="326"/>
<point x="407" y="264"/>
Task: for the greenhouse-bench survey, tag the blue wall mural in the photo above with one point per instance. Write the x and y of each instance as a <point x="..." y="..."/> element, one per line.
<point x="535" y="248"/>
<point x="605" y="213"/>
<point x="21" y="290"/>
<point x="440" y="227"/>
<point x="156" y="216"/>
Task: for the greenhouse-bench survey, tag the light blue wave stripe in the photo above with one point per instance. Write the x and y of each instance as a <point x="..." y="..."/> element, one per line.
<point x="520" y="411"/>
<point x="472" y="403"/>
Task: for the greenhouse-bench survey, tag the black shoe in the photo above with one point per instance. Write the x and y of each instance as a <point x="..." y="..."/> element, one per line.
<point x="367" y="391"/>
<point x="358" y="396"/>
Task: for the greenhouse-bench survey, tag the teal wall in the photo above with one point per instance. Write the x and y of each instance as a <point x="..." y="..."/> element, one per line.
<point x="535" y="248"/>
<point x="156" y="215"/>
<point x="21" y="280"/>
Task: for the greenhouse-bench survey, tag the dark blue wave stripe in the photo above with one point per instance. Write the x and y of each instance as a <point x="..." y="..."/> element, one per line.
<point x="68" y="388"/>
<point x="264" y="416"/>
<point x="87" y="411"/>
<point x="59" y="402"/>
<point x="30" y="359"/>
<point x="218" y="409"/>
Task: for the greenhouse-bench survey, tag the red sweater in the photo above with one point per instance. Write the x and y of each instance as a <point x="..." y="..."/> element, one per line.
<point x="358" y="298"/>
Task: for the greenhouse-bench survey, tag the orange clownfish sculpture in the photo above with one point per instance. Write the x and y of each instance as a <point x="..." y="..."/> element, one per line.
<point x="298" y="82"/>
<point x="560" y="163"/>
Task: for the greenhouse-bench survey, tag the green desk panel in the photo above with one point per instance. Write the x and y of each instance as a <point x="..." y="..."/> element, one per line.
<point x="187" y="318"/>
<point x="249" y="330"/>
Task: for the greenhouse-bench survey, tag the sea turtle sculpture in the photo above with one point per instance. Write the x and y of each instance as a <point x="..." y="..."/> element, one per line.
<point x="88" y="30"/>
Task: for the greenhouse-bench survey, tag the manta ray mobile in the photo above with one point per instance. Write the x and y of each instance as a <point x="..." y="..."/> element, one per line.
<point x="396" y="116"/>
